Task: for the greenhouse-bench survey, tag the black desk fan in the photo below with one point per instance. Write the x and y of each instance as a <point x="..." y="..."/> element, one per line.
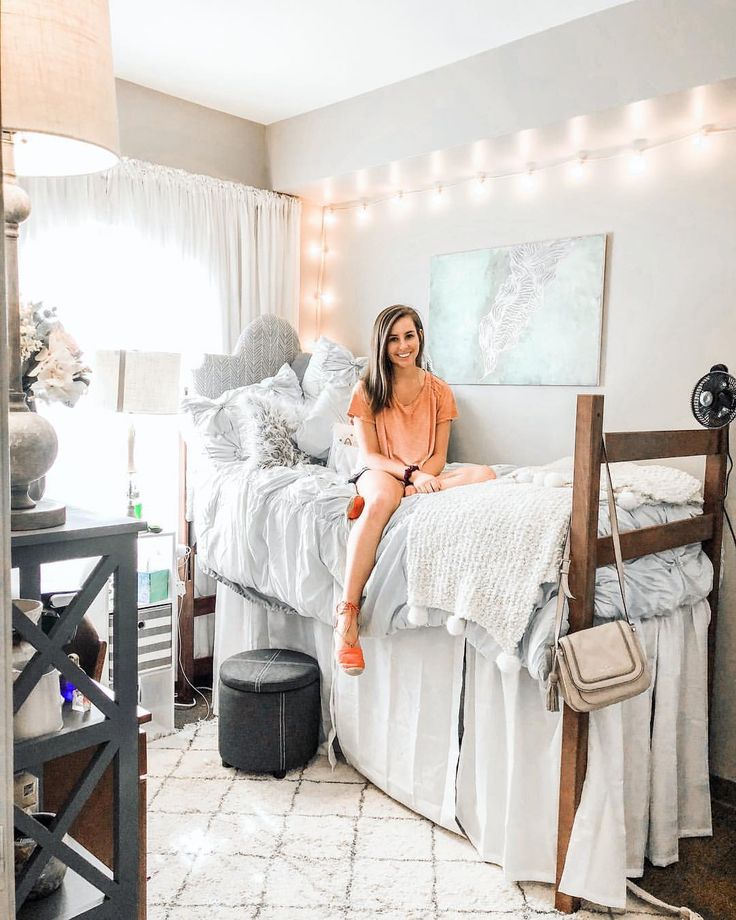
<point x="714" y="406"/>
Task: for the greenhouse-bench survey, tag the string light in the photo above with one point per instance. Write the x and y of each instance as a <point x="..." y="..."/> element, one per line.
<point x="578" y="164"/>
<point x="480" y="186"/>
<point x="399" y="202"/>
<point x="578" y="167"/>
<point x="638" y="162"/>
<point x="700" y="139"/>
<point x="315" y="250"/>
<point x="326" y="298"/>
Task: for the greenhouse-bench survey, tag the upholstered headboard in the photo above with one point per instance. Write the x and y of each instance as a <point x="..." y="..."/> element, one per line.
<point x="263" y="347"/>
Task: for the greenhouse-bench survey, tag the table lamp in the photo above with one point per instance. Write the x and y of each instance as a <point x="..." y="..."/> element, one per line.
<point x="138" y="382"/>
<point x="59" y="118"/>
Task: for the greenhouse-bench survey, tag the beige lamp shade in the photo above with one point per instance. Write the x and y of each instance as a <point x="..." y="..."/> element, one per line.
<point x="58" y="88"/>
<point x="141" y="382"/>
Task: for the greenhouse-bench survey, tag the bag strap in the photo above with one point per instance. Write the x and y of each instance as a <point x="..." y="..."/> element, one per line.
<point x="612" y="514"/>
<point x="563" y="588"/>
<point x="563" y="591"/>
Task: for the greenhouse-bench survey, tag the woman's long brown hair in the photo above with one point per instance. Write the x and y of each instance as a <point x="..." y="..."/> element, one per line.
<point x="378" y="380"/>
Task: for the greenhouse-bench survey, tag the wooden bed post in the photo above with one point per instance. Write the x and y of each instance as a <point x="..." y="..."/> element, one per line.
<point x="583" y="557"/>
<point x="714" y="488"/>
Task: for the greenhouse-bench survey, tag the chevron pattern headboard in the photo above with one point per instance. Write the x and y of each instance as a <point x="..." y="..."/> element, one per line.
<point x="264" y="345"/>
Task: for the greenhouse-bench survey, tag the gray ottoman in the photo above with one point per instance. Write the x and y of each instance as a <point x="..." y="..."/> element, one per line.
<point x="269" y="711"/>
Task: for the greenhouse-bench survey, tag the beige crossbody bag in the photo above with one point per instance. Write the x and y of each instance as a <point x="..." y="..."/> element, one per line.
<point x="595" y="667"/>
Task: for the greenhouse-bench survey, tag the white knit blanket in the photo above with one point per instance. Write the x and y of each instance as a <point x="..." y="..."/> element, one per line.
<point x="482" y="552"/>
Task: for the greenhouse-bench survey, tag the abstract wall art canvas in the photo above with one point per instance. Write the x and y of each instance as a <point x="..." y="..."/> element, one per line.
<point x="528" y="314"/>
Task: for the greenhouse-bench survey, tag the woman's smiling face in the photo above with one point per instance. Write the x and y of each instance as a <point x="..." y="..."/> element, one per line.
<point x="403" y="342"/>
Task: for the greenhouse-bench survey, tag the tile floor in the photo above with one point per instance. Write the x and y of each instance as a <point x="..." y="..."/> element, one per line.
<point x="317" y="845"/>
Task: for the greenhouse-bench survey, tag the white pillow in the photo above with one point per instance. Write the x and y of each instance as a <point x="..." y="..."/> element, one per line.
<point x="314" y="435"/>
<point x="213" y="424"/>
<point x="284" y="384"/>
<point x="344" y="456"/>
<point x="217" y="422"/>
<point x="331" y="365"/>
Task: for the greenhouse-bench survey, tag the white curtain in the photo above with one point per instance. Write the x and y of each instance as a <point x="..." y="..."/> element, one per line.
<point x="240" y="244"/>
<point x="151" y="258"/>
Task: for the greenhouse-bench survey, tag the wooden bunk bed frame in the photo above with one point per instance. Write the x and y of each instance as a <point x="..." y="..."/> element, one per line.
<point x="587" y="551"/>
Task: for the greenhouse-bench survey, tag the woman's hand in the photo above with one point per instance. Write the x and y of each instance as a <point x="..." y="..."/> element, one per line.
<point x="425" y="482"/>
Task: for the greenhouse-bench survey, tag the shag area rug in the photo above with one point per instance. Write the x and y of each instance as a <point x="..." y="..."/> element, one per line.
<point x="317" y="845"/>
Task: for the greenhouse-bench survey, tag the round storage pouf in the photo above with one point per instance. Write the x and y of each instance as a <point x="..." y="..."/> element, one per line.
<point x="269" y="711"/>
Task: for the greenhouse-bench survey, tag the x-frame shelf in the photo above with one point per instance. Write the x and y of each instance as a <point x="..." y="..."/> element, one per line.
<point x="110" y="729"/>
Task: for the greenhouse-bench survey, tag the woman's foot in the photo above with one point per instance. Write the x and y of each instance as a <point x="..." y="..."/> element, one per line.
<point x="410" y="490"/>
<point x="355" y="507"/>
<point x="348" y="652"/>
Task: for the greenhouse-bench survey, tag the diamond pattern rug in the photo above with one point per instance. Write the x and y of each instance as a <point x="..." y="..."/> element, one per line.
<point x="317" y="845"/>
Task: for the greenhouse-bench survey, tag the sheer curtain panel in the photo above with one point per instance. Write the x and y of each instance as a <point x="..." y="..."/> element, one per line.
<point x="241" y="242"/>
<point x="156" y="259"/>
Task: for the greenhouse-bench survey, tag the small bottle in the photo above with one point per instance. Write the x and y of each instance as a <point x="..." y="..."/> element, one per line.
<point x="73" y="694"/>
<point x="135" y="505"/>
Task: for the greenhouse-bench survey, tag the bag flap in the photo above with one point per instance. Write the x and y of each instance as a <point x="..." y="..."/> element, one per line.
<point x="602" y="656"/>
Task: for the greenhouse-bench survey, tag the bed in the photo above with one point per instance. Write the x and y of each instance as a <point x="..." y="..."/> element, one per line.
<point x="452" y="726"/>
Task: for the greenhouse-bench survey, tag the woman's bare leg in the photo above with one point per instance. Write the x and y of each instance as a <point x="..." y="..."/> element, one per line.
<point x="465" y="476"/>
<point x="382" y="494"/>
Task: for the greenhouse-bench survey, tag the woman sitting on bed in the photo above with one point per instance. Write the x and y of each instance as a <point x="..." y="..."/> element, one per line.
<point x="402" y="415"/>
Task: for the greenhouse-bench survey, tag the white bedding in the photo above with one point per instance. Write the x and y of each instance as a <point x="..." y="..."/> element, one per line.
<point x="283" y="533"/>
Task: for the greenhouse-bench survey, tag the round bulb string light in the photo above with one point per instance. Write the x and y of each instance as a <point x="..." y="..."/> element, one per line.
<point x="578" y="164"/>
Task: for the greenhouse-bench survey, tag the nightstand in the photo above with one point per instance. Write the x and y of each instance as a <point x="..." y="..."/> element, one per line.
<point x="107" y="880"/>
<point x="157" y="639"/>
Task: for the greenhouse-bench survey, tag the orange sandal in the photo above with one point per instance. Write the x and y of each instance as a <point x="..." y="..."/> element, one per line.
<point x="350" y="657"/>
<point x="355" y="507"/>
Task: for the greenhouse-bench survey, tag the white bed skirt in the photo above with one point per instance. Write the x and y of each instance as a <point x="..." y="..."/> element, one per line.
<point x="398" y="725"/>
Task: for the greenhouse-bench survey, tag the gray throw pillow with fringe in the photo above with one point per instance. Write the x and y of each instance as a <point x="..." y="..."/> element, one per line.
<point x="267" y="429"/>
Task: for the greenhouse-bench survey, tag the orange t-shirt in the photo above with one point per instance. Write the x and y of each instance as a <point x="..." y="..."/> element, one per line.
<point x="407" y="433"/>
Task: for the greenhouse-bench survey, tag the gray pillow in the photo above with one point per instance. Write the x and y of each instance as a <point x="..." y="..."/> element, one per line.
<point x="300" y="364"/>
<point x="266" y="431"/>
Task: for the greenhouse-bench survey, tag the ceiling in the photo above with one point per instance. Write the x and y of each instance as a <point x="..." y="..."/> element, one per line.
<point x="266" y="61"/>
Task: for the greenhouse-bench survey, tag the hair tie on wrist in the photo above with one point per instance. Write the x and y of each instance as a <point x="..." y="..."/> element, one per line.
<point x="408" y="474"/>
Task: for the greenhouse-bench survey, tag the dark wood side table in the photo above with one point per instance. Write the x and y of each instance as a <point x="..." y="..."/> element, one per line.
<point x="91" y="768"/>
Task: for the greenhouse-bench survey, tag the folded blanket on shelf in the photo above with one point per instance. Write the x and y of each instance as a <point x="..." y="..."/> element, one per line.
<point x="483" y="551"/>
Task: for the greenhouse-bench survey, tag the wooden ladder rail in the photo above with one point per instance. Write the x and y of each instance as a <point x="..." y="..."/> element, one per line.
<point x="588" y="551"/>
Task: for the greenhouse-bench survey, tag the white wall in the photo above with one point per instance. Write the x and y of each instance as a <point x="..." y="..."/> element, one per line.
<point x="635" y="51"/>
<point x="669" y="308"/>
<point x="173" y="132"/>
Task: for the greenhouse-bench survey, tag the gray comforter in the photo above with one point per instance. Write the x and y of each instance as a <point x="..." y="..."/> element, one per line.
<point x="280" y="535"/>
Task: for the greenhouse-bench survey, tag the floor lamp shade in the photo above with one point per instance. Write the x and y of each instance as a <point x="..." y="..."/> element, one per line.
<point x="58" y="90"/>
<point x="59" y="118"/>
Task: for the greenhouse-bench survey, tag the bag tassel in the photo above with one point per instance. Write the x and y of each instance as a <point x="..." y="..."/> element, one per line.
<point x="553" y="690"/>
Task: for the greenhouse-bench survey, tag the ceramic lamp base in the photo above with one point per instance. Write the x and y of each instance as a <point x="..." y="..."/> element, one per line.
<point x="43" y="515"/>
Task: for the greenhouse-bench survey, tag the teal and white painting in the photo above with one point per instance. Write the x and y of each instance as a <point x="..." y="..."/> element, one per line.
<point x="524" y="314"/>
